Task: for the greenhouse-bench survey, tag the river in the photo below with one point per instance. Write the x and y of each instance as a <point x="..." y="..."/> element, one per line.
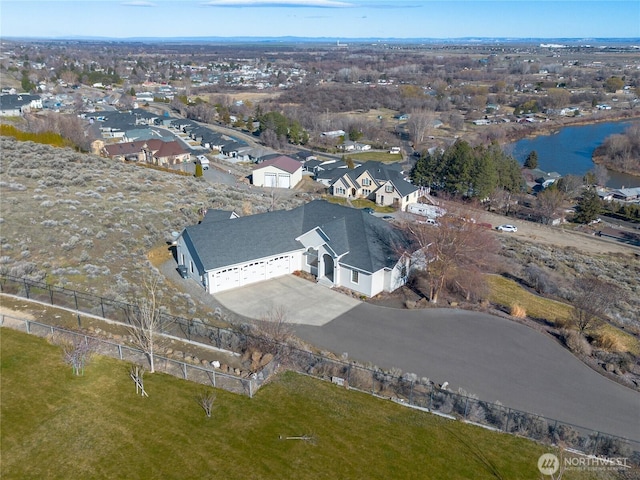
<point x="569" y="151"/>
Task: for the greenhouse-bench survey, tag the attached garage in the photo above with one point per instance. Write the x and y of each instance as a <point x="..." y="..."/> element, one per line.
<point x="226" y="279"/>
<point x="253" y="272"/>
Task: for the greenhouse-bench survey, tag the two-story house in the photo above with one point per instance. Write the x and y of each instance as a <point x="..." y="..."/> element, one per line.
<point x="375" y="181"/>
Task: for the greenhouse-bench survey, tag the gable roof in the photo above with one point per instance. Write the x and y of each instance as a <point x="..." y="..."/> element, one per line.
<point x="281" y="162"/>
<point x="366" y="241"/>
<point x="403" y="188"/>
<point x="168" y="149"/>
<point x="11" y="101"/>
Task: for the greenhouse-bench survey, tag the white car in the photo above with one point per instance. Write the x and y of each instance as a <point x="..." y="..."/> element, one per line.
<point x="507" y="228"/>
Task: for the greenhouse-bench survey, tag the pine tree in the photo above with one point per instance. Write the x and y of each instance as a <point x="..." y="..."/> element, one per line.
<point x="589" y="206"/>
<point x="532" y="160"/>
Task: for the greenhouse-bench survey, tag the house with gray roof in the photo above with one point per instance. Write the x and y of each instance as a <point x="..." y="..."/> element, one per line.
<point x="340" y="246"/>
<point x="16" y="105"/>
<point x="378" y="182"/>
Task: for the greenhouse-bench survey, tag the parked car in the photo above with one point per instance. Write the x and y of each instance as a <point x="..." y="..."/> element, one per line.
<point x="507" y="228"/>
<point x="429" y="221"/>
<point x="370" y="211"/>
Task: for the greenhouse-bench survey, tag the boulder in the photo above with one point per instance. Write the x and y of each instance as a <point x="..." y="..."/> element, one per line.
<point x="266" y="359"/>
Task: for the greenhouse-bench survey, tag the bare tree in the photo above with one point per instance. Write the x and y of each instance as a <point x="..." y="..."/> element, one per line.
<point x="77" y="353"/>
<point x="592" y="299"/>
<point x="206" y="400"/>
<point x="456" y="246"/>
<point x="272" y="332"/>
<point x="547" y="204"/>
<point x="417" y="125"/>
<point x="146" y="318"/>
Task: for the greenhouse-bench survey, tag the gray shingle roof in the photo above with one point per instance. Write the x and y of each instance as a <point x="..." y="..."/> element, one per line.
<point x="370" y="241"/>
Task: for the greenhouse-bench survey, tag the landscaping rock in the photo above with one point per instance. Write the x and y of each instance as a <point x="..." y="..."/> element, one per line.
<point x="266" y="359"/>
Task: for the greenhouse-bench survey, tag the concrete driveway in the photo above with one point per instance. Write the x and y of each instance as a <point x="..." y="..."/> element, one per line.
<point x="304" y="302"/>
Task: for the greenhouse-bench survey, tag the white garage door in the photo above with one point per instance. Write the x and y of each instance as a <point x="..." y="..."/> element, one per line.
<point x="270" y="180"/>
<point x="284" y="180"/>
<point x="226" y="279"/>
<point x="254" y="272"/>
<point x="278" y="266"/>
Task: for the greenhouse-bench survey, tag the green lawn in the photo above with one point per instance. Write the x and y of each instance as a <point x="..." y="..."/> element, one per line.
<point x="384" y="157"/>
<point x="55" y="425"/>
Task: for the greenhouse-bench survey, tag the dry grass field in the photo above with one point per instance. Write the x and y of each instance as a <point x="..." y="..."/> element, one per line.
<point x="89" y="223"/>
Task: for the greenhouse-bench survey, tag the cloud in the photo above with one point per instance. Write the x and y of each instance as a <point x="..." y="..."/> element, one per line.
<point x="138" y="3"/>
<point x="279" y="3"/>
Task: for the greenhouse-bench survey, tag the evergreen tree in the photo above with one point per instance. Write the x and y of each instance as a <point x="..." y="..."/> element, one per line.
<point x="485" y="176"/>
<point x="532" y="160"/>
<point x="589" y="206"/>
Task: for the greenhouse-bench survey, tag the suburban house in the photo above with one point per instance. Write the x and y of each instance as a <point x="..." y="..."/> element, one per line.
<point x="350" y="146"/>
<point x="340" y="246"/>
<point x="334" y="134"/>
<point x="151" y="151"/>
<point x="16" y="105"/>
<point x="627" y="194"/>
<point x="279" y="172"/>
<point x="378" y="182"/>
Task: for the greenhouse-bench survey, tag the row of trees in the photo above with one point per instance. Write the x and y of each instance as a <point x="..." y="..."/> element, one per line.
<point x="466" y="171"/>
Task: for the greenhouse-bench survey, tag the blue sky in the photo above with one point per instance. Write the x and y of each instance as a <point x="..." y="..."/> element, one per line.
<point x="321" y="18"/>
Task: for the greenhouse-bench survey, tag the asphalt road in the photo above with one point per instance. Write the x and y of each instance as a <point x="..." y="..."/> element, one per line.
<point x="485" y="355"/>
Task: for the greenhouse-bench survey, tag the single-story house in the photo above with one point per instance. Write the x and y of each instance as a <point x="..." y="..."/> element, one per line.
<point x="627" y="194"/>
<point x="339" y="245"/>
<point x="17" y="104"/>
<point x="350" y="146"/>
<point x="378" y="182"/>
<point x="153" y="151"/>
<point x="334" y="134"/>
<point x="279" y="172"/>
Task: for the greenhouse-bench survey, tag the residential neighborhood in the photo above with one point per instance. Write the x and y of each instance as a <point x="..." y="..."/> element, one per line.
<point x="281" y="256"/>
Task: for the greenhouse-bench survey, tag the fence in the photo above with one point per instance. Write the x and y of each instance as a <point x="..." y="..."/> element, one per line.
<point x="410" y="390"/>
<point x="176" y="368"/>
<point x="407" y="389"/>
<point x="192" y="330"/>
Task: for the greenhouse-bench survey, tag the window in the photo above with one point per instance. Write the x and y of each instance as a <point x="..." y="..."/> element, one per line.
<point x="366" y="182"/>
<point x="388" y="188"/>
<point x="366" y="192"/>
<point x="339" y="191"/>
<point x="354" y="276"/>
<point x="191" y="265"/>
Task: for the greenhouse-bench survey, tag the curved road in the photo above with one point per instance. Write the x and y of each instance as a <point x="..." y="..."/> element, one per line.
<point x="485" y="355"/>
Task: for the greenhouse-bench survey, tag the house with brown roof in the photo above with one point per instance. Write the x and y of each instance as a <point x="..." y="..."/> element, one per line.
<point x="278" y="172"/>
<point x="153" y="151"/>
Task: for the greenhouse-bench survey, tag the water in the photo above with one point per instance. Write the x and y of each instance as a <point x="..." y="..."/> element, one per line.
<point x="569" y="151"/>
